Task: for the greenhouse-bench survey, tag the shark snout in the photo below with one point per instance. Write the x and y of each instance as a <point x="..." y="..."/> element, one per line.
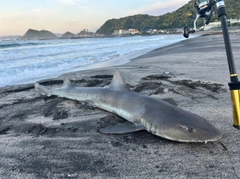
<point x="196" y="134"/>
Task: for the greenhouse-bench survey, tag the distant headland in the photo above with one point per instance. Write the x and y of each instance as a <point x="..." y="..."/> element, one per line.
<point x="32" y="34"/>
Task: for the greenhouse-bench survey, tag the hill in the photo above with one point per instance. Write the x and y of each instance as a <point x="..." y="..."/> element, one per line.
<point x="32" y="34"/>
<point x="177" y="19"/>
<point x="68" y="35"/>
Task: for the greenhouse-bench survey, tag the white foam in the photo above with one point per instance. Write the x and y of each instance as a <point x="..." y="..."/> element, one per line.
<point x="30" y="61"/>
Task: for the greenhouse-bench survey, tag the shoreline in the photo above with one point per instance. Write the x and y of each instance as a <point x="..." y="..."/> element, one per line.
<point x="125" y="58"/>
<point x="113" y="63"/>
<point x="45" y="137"/>
<point x="122" y="59"/>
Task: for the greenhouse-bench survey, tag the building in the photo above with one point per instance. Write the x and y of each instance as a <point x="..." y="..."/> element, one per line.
<point x="133" y="31"/>
<point x="125" y="32"/>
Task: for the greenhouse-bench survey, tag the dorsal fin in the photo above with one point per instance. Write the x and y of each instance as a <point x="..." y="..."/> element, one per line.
<point x="118" y="83"/>
<point x="67" y="82"/>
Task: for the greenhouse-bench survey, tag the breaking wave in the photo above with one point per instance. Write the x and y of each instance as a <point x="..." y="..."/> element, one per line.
<point x="28" y="61"/>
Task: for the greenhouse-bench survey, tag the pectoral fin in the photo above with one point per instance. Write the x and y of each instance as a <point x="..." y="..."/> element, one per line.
<point x="122" y="128"/>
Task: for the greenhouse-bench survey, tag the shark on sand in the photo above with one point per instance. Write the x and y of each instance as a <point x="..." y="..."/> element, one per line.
<point x="141" y="112"/>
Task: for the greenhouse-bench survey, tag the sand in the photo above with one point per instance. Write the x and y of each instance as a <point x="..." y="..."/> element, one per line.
<point x="50" y="137"/>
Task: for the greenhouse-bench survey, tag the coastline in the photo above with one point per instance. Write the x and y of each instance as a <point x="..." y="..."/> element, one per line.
<point x="53" y="137"/>
<point x="114" y="52"/>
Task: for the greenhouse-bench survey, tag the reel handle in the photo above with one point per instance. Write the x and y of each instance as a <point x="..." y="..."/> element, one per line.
<point x="186" y="31"/>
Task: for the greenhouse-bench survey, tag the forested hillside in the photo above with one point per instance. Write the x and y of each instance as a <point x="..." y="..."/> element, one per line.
<point x="177" y="19"/>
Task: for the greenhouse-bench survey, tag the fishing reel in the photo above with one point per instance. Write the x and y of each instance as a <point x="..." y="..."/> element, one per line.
<point x="205" y="9"/>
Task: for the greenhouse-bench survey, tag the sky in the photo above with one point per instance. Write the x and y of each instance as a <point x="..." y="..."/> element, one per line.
<point x="60" y="16"/>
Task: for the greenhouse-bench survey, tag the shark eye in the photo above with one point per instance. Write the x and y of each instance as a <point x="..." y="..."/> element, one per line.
<point x="189" y="129"/>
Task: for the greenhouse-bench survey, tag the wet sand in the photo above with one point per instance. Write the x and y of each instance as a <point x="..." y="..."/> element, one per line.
<point x="50" y="137"/>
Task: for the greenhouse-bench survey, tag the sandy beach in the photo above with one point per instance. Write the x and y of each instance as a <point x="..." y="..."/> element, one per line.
<point x="50" y="137"/>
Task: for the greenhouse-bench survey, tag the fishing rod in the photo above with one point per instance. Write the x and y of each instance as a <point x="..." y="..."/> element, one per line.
<point x="205" y="9"/>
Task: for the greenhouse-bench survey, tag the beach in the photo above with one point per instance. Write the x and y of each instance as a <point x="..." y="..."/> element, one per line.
<point x="50" y="137"/>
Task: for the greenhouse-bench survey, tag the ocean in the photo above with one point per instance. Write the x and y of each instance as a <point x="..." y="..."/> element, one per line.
<point x="29" y="61"/>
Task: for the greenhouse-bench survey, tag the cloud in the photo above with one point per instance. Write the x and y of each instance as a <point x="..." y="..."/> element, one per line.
<point x="159" y="8"/>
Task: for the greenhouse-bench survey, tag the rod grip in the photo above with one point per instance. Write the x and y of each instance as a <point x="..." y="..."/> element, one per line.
<point x="235" y="95"/>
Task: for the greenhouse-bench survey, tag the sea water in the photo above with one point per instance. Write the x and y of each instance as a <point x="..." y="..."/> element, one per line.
<point x="28" y="61"/>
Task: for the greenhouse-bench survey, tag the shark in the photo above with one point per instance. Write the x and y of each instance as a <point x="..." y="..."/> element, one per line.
<point x="142" y="112"/>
